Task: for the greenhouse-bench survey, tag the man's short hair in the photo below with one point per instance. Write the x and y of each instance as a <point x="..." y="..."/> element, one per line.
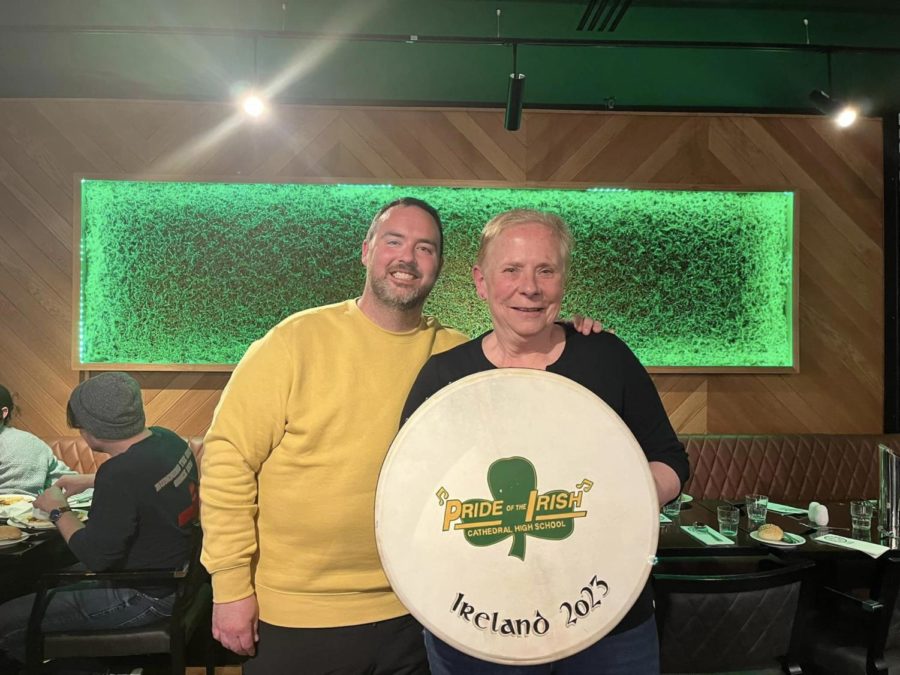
<point x="409" y="201"/>
<point x="107" y="406"/>
<point x="6" y="402"/>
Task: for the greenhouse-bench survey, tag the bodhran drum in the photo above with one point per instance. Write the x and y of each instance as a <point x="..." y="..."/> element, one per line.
<point x="516" y="516"/>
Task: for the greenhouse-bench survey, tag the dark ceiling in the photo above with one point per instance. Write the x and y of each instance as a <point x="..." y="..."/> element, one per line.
<point x="679" y="55"/>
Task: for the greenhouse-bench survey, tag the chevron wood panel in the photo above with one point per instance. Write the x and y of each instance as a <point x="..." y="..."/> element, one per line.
<point x="46" y="144"/>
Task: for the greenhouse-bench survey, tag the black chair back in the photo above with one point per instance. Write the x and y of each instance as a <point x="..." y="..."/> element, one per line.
<point x="192" y="609"/>
<point x="858" y="632"/>
<point x="743" y="620"/>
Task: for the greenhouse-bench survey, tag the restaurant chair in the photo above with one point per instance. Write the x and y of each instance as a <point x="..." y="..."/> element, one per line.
<point x="192" y="611"/>
<point x="860" y="634"/>
<point x="742" y="615"/>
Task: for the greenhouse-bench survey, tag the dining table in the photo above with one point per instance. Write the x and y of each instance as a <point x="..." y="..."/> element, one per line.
<point x="837" y="565"/>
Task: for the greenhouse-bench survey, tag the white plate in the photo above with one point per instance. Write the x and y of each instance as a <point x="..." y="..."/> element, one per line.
<point x="686" y="499"/>
<point x="796" y="540"/>
<point x="40" y="524"/>
<point x="31" y="525"/>
<point x="13" y="542"/>
<point x="17" y="504"/>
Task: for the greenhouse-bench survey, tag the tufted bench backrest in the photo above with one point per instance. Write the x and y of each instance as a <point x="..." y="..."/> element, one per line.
<point x="76" y="454"/>
<point x="786" y="467"/>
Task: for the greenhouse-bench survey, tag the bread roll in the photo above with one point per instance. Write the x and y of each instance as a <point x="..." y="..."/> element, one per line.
<point x="770" y="532"/>
<point x="8" y="532"/>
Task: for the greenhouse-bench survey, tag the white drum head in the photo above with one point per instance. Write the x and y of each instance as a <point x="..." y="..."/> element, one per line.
<point x="516" y="516"/>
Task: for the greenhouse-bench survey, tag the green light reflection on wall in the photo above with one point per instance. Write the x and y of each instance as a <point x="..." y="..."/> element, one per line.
<point x="191" y="273"/>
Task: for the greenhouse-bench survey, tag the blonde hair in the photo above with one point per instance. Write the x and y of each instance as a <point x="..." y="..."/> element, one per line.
<point x="515" y="217"/>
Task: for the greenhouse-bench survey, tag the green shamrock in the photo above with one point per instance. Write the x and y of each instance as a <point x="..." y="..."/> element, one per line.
<point x="512" y="480"/>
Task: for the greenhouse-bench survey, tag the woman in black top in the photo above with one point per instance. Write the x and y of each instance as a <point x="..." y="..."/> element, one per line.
<point x="521" y="272"/>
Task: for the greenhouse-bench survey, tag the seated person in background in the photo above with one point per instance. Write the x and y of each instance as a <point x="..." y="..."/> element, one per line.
<point x="520" y="271"/>
<point x="27" y="464"/>
<point x="145" y="502"/>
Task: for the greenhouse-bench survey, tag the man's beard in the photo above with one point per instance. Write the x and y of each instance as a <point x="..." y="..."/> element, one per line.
<point x="396" y="298"/>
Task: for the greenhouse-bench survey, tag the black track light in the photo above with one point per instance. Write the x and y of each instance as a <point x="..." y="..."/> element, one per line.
<point x="844" y="115"/>
<point x="514" y="97"/>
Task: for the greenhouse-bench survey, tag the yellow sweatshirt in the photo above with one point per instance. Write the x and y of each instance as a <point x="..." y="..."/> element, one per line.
<point x="291" y="462"/>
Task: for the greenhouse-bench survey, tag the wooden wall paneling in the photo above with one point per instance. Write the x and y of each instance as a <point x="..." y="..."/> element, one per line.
<point x="631" y="152"/>
<point x="685" y="399"/>
<point x="731" y="143"/>
<point x="684" y="157"/>
<point x="572" y="148"/>
<point x="184" y="400"/>
<point x="306" y="162"/>
<point x="94" y="155"/>
<point x="836" y="176"/>
<point x="22" y="224"/>
<point x="182" y="149"/>
<point x="45" y="316"/>
<point x="426" y="150"/>
<point x="502" y="150"/>
<point x="29" y="196"/>
<point x="460" y="156"/>
<point x="394" y="160"/>
<point x="39" y="391"/>
<point x="366" y="154"/>
<point x="24" y="237"/>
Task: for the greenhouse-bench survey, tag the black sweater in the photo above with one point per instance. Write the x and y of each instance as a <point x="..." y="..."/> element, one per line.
<point x="144" y="501"/>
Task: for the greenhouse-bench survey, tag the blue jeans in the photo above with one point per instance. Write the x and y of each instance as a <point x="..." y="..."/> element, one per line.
<point x="84" y="606"/>
<point x="632" y="652"/>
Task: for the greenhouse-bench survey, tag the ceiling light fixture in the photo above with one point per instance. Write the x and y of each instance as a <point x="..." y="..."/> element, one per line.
<point x="514" y="98"/>
<point x="253" y="105"/>
<point x="251" y="101"/>
<point x="844" y="115"/>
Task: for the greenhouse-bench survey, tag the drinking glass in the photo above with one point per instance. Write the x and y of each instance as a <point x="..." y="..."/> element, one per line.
<point x="757" y="505"/>
<point x="861" y="514"/>
<point x="729" y="517"/>
<point x="673" y="508"/>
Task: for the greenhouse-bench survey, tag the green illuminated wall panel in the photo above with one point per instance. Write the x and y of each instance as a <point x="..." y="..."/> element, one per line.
<point x="191" y="273"/>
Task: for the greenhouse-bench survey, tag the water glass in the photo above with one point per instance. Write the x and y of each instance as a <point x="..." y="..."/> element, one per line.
<point x="673" y="508"/>
<point x="729" y="517"/>
<point x="861" y="514"/>
<point x="757" y="506"/>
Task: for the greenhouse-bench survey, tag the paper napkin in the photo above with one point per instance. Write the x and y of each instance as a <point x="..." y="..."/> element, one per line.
<point x="866" y="547"/>
<point x="707" y="535"/>
<point x="663" y="518"/>
<point x="82" y="497"/>
<point x="786" y="510"/>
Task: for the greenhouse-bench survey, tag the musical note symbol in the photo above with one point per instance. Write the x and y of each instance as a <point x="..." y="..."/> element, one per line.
<point x="585" y="484"/>
<point x="442" y="495"/>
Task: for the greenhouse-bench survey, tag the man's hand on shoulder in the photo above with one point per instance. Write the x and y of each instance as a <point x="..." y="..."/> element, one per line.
<point x="586" y="325"/>
<point x="235" y="625"/>
<point x="73" y="485"/>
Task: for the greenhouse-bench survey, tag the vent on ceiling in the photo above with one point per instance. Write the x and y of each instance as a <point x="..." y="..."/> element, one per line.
<point x="603" y="15"/>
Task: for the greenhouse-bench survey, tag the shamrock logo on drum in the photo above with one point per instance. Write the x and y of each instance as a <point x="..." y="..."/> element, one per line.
<point x="518" y="509"/>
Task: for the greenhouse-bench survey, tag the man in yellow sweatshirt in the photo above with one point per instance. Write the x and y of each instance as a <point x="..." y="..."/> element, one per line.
<point x="291" y="462"/>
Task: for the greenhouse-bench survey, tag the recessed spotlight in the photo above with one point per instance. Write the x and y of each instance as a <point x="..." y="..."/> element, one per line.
<point x="253" y="105"/>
